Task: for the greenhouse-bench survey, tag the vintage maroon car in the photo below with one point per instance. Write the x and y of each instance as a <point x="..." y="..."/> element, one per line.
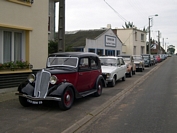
<point x="67" y="76"/>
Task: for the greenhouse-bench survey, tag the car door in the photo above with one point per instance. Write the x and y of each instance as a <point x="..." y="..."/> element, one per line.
<point x="123" y="67"/>
<point x="95" y="70"/>
<point x="84" y="75"/>
<point x="118" y="70"/>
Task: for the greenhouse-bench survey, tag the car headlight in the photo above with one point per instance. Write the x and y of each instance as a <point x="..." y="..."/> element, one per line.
<point x="53" y="79"/>
<point x="108" y="75"/>
<point x="31" y="78"/>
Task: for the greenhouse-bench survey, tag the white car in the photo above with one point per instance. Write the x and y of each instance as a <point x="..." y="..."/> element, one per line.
<point x="139" y="62"/>
<point x="113" y="69"/>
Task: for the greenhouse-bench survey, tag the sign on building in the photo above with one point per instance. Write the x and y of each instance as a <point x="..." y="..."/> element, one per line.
<point x="110" y="41"/>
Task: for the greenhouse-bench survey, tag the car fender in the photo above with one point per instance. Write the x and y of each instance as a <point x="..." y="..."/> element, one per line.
<point x="100" y="77"/>
<point x="61" y="87"/>
<point x="26" y="88"/>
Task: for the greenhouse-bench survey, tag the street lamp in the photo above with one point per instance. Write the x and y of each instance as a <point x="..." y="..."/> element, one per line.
<point x="150" y="17"/>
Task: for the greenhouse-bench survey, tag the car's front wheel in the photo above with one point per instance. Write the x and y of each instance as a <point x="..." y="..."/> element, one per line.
<point x="23" y="101"/>
<point x="124" y="78"/>
<point x="67" y="99"/>
<point x="113" y="83"/>
<point x="99" y="88"/>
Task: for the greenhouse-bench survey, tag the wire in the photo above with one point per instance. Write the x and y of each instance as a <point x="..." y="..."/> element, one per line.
<point x="116" y="12"/>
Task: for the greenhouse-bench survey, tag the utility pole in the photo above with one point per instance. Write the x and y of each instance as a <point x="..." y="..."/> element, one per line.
<point x="149" y="49"/>
<point x="159" y="48"/>
<point x="61" y="26"/>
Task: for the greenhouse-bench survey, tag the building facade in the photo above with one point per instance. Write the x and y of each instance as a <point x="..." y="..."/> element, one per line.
<point x="134" y="41"/>
<point x="101" y="42"/>
<point x="23" y="31"/>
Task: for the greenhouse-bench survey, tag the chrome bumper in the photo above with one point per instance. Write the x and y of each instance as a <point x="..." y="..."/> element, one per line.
<point x="38" y="99"/>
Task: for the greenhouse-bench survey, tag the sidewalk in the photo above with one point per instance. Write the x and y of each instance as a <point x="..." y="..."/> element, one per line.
<point x="8" y="94"/>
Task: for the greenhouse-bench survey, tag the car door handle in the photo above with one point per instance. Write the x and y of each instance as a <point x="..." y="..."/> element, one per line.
<point x="80" y="74"/>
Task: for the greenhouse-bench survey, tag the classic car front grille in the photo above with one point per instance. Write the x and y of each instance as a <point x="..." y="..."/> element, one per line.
<point x="41" y="84"/>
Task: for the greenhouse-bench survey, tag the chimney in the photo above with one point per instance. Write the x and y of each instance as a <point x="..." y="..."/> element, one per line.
<point x="109" y="26"/>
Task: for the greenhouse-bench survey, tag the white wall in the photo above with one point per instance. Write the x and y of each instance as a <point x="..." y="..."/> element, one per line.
<point x="99" y="42"/>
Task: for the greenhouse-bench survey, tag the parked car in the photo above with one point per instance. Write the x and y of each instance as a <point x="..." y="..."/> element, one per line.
<point x="153" y="61"/>
<point x="67" y="76"/>
<point x="139" y="62"/>
<point x="131" y="67"/>
<point x="113" y="69"/>
<point x="157" y="57"/>
<point x="147" y="60"/>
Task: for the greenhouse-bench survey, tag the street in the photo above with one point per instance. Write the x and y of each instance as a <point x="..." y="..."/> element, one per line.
<point x="149" y="107"/>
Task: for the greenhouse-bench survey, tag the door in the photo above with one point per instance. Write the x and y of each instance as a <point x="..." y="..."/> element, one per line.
<point x="84" y="75"/>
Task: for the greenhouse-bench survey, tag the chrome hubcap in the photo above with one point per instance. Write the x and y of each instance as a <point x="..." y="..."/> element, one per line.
<point x="68" y="98"/>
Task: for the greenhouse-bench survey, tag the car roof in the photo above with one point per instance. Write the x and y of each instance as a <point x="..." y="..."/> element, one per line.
<point x="137" y="55"/>
<point x="124" y="55"/>
<point x="73" y="54"/>
<point x="145" y="54"/>
<point x="114" y="57"/>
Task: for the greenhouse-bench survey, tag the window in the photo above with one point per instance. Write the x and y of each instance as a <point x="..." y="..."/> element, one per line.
<point x="118" y="52"/>
<point x="134" y="50"/>
<point x="12" y="46"/>
<point x="91" y="50"/>
<point x="142" y="37"/>
<point x="122" y="62"/>
<point x="100" y="52"/>
<point x="17" y="46"/>
<point x="94" y="63"/>
<point x="7" y="46"/>
<point x="49" y="23"/>
<point x="84" y="64"/>
<point x="135" y="36"/>
<point x="142" y="49"/>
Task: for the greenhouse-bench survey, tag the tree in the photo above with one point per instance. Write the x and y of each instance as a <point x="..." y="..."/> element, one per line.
<point x="171" y="49"/>
<point x="128" y="25"/>
<point x="52" y="46"/>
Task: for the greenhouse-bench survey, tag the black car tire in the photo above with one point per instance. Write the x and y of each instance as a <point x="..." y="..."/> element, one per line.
<point x="124" y="78"/>
<point x="67" y="99"/>
<point x="99" y="88"/>
<point x="23" y="101"/>
<point x="141" y="69"/>
<point x="130" y="74"/>
<point x="113" y="83"/>
<point x="134" y="72"/>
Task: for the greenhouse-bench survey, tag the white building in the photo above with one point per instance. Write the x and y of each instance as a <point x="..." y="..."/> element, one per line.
<point x="134" y="41"/>
<point x="101" y="41"/>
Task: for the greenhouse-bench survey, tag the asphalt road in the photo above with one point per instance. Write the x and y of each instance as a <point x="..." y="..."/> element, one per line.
<point x="49" y="118"/>
<point x="150" y="108"/>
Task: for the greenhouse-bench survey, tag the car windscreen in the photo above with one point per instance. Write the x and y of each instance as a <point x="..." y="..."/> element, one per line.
<point x="146" y="57"/>
<point x="108" y="61"/>
<point x="62" y="61"/>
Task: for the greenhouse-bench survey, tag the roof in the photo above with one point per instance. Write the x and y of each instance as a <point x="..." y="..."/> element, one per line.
<point x="78" y="39"/>
<point x="73" y="54"/>
<point x="124" y="55"/>
<point x="113" y="57"/>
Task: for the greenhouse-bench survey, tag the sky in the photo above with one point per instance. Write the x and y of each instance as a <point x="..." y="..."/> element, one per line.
<point x="96" y="14"/>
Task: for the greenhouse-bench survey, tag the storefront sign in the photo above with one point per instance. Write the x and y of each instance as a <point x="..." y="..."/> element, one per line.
<point x="110" y="41"/>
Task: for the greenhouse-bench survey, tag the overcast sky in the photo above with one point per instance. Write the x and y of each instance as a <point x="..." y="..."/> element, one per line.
<point x="96" y="14"/>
